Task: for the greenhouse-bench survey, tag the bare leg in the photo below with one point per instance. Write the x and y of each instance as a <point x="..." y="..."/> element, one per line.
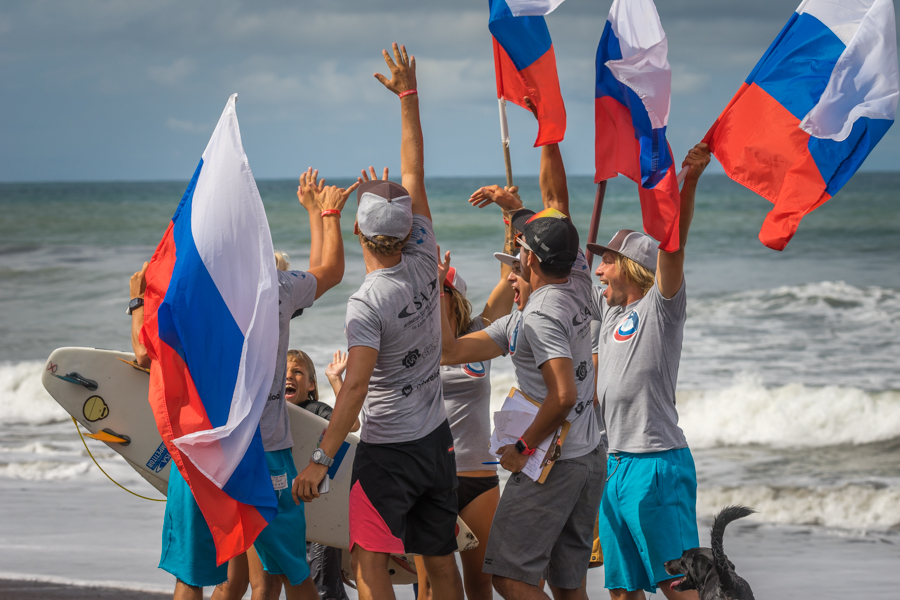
<point x="373" y="582"/>
<point x="511" y="589"/>
<point x="478" y="515"/>
<point x="238" y="580"/>
<point x="424" y="584"/>
<point x="446" y="584"/>
<point x="620" y="594"/>
<point x="673" y="595"/>
<point x="263" y="585"/>
<point x="184" y="591"/>
<point x="304" y="591"/>
<point x="579" y="593"/>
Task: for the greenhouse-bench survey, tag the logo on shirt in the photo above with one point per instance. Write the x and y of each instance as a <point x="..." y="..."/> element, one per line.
<point x="581" y="371"/>
<point x="420" y="235"/>
<point x="411" y="358"/>
<point x="419" y="300"/>
<point x="475" y="370"/>
<point x="513" y="339"/>
<point x="627" y="328"/>
<point x="583" y="315"/>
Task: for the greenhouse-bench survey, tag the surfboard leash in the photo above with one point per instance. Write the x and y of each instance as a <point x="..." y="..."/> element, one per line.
<point x="78" y="429"/>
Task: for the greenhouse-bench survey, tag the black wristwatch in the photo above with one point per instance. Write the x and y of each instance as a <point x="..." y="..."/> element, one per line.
<point x="135" y="304"/>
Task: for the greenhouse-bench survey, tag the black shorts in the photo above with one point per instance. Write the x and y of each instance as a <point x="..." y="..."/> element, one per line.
<point x="403" y="496"/>
<point x="472" y="487"/>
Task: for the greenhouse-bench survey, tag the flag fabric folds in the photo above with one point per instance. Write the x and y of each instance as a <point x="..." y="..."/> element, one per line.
<point x="525" y="63"/>
<point x="211" y="329"/>
<point x="631" y="108"/>
<point x="811" y="111"/>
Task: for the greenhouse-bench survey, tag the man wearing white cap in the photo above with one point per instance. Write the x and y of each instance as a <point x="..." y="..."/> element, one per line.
<point x="403" y="492"/>
<point x="648" y="509"/>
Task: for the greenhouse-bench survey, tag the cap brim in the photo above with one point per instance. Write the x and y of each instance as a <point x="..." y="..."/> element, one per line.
<point x="520" y="218"/>
<point x="598" y="250"/>
<point x="506" y="259"/>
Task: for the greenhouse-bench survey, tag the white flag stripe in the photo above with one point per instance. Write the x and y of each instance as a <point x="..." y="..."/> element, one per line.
<point x="532" y="8"/>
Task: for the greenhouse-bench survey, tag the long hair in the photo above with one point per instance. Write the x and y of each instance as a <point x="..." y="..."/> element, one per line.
<point x="462" y="309"/>
<point x="303" y="358"/>
<point x="635" y="272"/>
<point x="281" y="261"/>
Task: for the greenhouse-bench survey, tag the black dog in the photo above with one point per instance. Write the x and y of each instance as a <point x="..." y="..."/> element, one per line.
<point x="708" y="570"/>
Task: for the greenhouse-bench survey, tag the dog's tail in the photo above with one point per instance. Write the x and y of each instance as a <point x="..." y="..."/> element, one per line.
<point x="723" y="566"/>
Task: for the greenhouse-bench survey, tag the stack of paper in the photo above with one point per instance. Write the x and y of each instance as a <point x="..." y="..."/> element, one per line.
<point x="510" y="422"/>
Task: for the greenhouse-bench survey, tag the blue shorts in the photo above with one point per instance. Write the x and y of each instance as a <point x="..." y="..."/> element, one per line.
<point x="188" y="549"/>
<point x="282" y="544"/>
<point x="648" y="515"/>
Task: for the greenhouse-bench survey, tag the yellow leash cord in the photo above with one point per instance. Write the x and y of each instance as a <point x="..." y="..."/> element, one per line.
<point x="78" y="429"/>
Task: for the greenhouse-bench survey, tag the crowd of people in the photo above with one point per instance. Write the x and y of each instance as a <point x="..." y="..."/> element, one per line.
<point x="415" y="382"/>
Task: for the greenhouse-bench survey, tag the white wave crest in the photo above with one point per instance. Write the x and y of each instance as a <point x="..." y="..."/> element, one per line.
<point x="851" y="506"/>
<point x="788" y="416"/>
<point x="22" y="397"/>
<point x="44" y="470"/>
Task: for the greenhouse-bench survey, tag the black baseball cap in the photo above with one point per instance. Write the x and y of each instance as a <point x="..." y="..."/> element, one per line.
<point x="549" y="234"/>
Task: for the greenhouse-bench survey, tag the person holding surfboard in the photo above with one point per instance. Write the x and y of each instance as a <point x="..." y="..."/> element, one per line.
<point x="545" y="528"/>
<point x="403" y="494"/>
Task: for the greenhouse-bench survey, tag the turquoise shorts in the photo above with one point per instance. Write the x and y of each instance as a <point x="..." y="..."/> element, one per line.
<point x="282" y="544"/>
<point x="648" y="515"/>
<point x="188" y="549"/>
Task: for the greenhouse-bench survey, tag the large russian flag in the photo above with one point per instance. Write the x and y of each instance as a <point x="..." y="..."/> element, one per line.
<point x="525" y="63"/>
<point x="211" y="329"/>
<point x="631" y="107"/>
<point x="820" y="98"/>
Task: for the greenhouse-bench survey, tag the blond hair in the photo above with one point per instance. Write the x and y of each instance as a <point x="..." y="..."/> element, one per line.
<point x="635" y="272"/>
<point x="303" y="358"/>
<point x="462" y="309"/>
<point x="281" y="260"/>
<point x="384" y="244"/>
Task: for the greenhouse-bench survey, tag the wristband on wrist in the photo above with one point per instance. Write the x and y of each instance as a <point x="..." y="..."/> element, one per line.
<point x="408" y="93"/>
<point x="331" y="211"/>
<point x="523" y="449"/>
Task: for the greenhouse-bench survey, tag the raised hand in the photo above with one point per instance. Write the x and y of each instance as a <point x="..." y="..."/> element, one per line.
<point x="334" y="198"/>
<point x="443" y="267"/>
<point x="138" y="283"/>
<point x="370" y="176"/>
<point x="308" y="189"/>
<point x="403" y="70"/>
<point x="337" y="366"/>
<point x="506" y="198"/>
<point x="697" y="159"/>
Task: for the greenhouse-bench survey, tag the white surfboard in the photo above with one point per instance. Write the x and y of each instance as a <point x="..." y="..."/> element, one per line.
<point x="107" y="394"/>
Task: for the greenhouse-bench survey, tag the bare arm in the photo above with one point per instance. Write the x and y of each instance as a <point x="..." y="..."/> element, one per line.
<point x="412" y="146"/>
<point x="138" y="286"/>
<point x="331" y="270"/>
<point x="334" y="373"/>
<point x="347" y="405"/>
<point x="499" y="303"/>
<point x="562" y="395"/>
<point x="554" y="189"/>
<point x="670" y="265"/>
<point x="306" y="193"/>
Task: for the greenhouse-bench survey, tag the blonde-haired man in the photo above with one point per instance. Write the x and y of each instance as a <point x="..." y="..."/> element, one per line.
<point x="648" y="509"/>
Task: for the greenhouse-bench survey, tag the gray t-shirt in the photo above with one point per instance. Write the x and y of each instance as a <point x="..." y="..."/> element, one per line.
<point x="638" y="350"/>
<point x="296" y="290"/>
<point x="556" y="323"/>
<point x="467" y="399"/>
<point x="396" y="312"/>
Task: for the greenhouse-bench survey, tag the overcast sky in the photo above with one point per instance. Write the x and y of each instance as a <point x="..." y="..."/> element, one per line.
<point x="128" y="90"/>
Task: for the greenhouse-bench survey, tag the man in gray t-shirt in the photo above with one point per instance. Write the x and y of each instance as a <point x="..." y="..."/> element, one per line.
<point x="648" y="510"/>
<point x="403" y="488"/>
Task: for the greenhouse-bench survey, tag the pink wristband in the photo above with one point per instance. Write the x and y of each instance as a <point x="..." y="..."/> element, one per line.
<point x="331" y="211"/>
<point x="408" y="93"/>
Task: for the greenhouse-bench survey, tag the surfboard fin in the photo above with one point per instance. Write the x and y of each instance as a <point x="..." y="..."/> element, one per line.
<point x="109" y="437"/>
<point x="77" y="379"/>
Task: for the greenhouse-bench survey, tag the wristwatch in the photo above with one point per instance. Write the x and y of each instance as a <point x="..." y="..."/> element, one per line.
<point x="320" y="458"/>
<point x="135" y="304"/>
<point x="522" y="448"/>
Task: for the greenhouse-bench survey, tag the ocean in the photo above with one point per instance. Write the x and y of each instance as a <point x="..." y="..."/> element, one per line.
<point x="788" y="392"/>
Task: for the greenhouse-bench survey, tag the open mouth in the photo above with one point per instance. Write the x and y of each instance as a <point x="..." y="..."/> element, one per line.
<point x="290" y="391"/>
<point x="675" y="585"/>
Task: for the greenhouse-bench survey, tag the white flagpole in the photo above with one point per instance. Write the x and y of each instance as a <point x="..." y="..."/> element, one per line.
<point x="504" y="139"/>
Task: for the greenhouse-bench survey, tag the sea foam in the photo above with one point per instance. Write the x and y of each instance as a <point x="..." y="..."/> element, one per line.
<point x="22" y="397"/>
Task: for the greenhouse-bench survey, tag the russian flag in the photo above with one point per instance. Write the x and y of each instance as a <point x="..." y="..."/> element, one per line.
<point x="631" y="107"/>
<point x="525" y="63"/>
<point x="211" y="329"/>
<point x="820" y="98"/>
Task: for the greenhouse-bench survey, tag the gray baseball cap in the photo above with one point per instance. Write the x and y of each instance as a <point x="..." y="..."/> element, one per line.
<point x="639" y="247"/>
<point x="385" y="208"/>
<point x="509" y="259"/>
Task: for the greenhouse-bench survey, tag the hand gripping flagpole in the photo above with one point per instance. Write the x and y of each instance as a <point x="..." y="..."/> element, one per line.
<point x="504" y="139"/>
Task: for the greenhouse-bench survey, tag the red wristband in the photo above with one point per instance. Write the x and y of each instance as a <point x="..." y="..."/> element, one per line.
<point x="527" y="451"/>
<point x="408" y="93"/>
<point x="331" y="211"/>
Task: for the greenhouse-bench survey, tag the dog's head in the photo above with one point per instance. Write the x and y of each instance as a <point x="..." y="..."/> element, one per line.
<point x="693" y="569"/>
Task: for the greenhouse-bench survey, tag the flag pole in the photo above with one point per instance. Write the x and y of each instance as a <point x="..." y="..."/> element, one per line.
<point x="595" y="219"/>
<point x="504" y="138"/>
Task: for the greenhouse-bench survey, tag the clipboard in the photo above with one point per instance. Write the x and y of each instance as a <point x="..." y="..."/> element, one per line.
<point x="555" y="444"/>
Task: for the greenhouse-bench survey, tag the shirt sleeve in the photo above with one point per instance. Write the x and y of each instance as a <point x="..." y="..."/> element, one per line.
<point x="581" y="270"/>
<point x="497" y="331"/>
<point x="301" y="288"/>
<point x="422" y="242"/>
<point x="674" y="309"/>
<point x="547" y="337"/>
<point x="362" y="325"/>
<point x="595" y="337"/>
